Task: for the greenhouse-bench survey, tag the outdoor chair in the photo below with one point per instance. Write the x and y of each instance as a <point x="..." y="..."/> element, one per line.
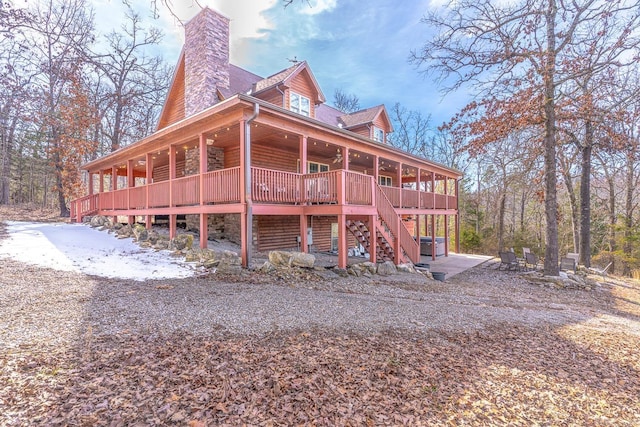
<point x="525" y="251"/>
<point x="530" y="259"/>
<point x="601" y="271"/>
<point x="575" y="256"/>
<point x="509" y="261"/>
<point x="567" y="263"/>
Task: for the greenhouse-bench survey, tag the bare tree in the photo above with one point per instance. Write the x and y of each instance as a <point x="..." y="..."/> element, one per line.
<point x="519" y="46"/>
<point x="347" y="103"/>
<point x="131" y="79"/>
<point x="61" y="31"/>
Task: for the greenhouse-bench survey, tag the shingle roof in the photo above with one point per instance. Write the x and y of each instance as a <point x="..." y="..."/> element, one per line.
<point x="329" y="115"/>
<point x="367" y="115"/>
<point x="277" y="78"/>
<point x="240" y="81"/>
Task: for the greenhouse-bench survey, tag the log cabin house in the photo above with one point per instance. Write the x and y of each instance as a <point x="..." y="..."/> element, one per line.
<point x="266" y="163"/>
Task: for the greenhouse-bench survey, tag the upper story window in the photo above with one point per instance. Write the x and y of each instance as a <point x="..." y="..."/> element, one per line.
<point x="385" y="180"/>
<point x="378" y="134"/>
<point x="299" y="104"/>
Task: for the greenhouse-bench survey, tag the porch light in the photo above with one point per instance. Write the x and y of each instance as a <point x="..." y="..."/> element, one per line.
<point x="286" y="136"/>
<point x="210" y="141"/>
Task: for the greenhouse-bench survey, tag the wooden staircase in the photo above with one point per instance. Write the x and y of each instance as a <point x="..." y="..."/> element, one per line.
<point x="361" y="232"/>
<point x="388" y="228"/>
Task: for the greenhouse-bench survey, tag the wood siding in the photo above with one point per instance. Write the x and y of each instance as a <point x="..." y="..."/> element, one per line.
<point x="302" y="85"/>
<point x="278" y="232"/>
<point x="273" y="158"/>
<point x="273" y="96"/>
<point x="161" y="173"/>
<point x="322" y="231"/>
<point x="174" y="105"/>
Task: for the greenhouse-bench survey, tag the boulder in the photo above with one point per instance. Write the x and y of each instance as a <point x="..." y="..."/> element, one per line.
<point x="267" y="267"/>
<point x="279" y="258"/>
<point x="354" y="270"/>
<point x="342" y="272"/>
<point x="405" y="268"/>
<point x="182" y="241"/>
<point x="97" y="221"/>
<point x="370" y="267"/>
<point x="301" y="259"/>
<point x="387" y="268"/>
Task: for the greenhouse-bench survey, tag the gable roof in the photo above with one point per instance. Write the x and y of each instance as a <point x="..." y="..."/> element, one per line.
<point x="366" y="116"/>
<point x="285" y="76"/>
<point x="240" y="81"/>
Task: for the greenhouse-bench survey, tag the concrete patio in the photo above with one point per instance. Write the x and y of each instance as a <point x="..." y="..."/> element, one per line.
<point x="454" y="263"/>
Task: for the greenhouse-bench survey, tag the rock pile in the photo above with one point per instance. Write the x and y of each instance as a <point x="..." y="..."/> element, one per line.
<point x="230" y="262"/>
<point x="285" y="260"/>
<point x="565" y="281"/>
<point x="181" y="245"/>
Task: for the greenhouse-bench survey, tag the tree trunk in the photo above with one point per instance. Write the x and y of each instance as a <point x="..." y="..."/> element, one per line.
<point x="502" y="204"/>
<point x="628" y="215"/>
<point x="551" y="267"/>
<point x="585" y="197"/>
<point x="565" y="169"/>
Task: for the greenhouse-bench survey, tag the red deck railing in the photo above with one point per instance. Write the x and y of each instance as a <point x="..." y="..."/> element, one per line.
<point x="272" y="186"/>
<point x="268" y="186"/>
<point x="222" y="186"/>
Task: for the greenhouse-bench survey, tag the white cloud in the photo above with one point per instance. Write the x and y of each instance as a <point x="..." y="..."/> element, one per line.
<point x="315" y="7"/>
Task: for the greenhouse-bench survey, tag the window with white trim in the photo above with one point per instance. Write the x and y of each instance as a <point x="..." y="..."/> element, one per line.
<point x="299" y="104"/>
<point x="378" y="134"/>
<point x="314" y="167"/>
<point x="385" y="180"/>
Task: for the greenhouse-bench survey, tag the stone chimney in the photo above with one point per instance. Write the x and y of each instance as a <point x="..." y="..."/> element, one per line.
<point x="206" y="60"/>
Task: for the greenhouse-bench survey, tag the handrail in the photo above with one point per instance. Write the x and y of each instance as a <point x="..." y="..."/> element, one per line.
<point x="273" y="186"/>
<point x="397" y="228"/>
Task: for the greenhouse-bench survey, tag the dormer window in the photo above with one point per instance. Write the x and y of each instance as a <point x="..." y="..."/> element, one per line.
<point x="378" y="134"/>
<point x="299" y="104"/>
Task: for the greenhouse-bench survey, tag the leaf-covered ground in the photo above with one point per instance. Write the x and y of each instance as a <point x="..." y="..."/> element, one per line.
<point x="578" y="375"/>
<point x="571" y="373"/>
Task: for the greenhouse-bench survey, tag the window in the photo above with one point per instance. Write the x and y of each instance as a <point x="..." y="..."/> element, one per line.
<point x="378" y="134"/>
<point x="385" y="180"/>
<point x="299" y="104"/>
<point x="314" y="167"/>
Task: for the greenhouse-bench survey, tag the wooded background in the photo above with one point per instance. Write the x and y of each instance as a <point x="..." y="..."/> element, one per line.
<point x="549" y="146"/>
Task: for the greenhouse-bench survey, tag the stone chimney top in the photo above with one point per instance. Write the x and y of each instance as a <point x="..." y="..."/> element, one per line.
<point x="206" y="60"/>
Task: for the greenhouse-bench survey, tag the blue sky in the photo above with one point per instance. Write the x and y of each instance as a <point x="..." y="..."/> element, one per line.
<point x="360" y="47"/>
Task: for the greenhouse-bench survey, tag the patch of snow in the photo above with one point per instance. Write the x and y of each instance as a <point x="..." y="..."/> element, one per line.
<point x="80" y="248"/>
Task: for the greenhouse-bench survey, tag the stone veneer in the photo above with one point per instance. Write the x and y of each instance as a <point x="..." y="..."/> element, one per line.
<point x="215" y="161"/>
<point x="206" y="60"/>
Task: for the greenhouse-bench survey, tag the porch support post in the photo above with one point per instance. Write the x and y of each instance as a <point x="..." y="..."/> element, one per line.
<point x="457" y="218"/>
<point x="304" y="243"/>
<point x="131" y="182"/>
<point x="418" y="188"/>
<point x="396" y="240"/>
<point x="114" y="187"/>
<point x="433" y="188"/>
<point x="399" y="178"/>
<point x="376" y="167"/>
<point x="204" y="164"/>
<point x="148" y="180"/>
<point x="172" y="176"/>
<point x="303" y="154"/>
<point x="345" y="158"/>
<point x="342" y="241"/>
<point x="244" y="197"/>
<point x="446" y="235"/>
<point x="433" y="237"/>
<point x="101" y="183"/>
<point x="373" y="241"/>
<point x="90" y="183"/>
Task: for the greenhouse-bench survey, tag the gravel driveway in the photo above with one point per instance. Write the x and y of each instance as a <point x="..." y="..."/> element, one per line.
<point x="52" y="306"/>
